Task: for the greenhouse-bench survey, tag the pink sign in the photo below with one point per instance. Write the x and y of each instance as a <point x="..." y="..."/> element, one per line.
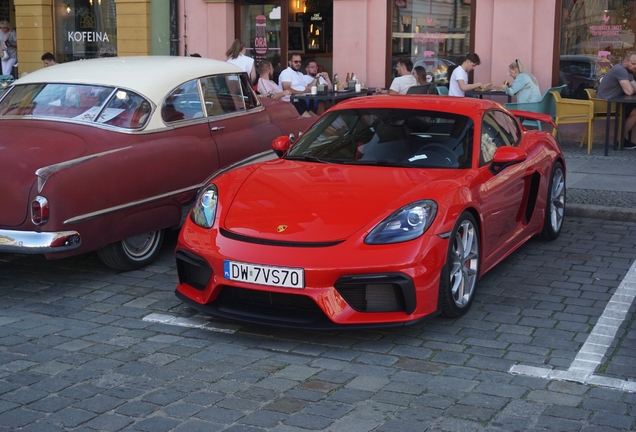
<point x="260" y="41"/>
<point x="401" y="4"/>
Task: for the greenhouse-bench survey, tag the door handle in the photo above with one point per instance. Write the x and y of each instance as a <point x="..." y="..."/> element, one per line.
<point x="217" y="128"/>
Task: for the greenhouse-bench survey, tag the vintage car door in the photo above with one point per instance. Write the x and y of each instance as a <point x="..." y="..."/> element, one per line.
<point x="502" y="193"/>
<point x="193" y="145"/>
<point x="238" y="122"/>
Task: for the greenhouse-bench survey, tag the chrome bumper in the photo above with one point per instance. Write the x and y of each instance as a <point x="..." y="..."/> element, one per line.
<point x="28" y="242"/>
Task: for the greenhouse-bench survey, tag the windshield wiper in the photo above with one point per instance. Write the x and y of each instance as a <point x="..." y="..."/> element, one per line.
<point x="306" y="158"/>
<point x="378" y="162"/>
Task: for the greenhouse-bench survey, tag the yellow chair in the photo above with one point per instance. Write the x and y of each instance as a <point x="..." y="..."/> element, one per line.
<point x="571" y="111"/>
<point x="600" y="112"/>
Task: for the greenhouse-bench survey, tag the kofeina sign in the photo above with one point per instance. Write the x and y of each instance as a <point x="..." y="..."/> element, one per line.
<point x="88" y="36"/>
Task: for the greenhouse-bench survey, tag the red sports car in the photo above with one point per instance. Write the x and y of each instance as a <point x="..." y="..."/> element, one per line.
<point x="387" y="210"/>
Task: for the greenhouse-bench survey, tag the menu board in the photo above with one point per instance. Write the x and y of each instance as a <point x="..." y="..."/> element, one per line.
<point x="296" y="37"/>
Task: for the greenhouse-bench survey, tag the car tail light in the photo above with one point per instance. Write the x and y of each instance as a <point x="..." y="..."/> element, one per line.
<point x="39" y="210"/>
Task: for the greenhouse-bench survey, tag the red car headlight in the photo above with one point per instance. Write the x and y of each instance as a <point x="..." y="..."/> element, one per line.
<point x="39" y="210"/>
<point x="407" y="223"/>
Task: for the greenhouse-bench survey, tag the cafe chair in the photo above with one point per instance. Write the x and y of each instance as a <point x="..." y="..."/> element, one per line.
<point x="600" y="111"/>
<point x="419" y="89"/>
<point x="572" y="111"/>
<point x="442" y="90"/>
<point x="544" y="106"/>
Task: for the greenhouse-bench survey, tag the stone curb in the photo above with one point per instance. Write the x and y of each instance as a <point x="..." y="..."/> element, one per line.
<point x="621" y="214"/>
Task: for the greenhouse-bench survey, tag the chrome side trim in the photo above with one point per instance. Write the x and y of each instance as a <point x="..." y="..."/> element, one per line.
<point x="45" y="173"/>
<point x="259" y="157"/>
<point x="92" y="215"/>
<point x="30" y="242"/>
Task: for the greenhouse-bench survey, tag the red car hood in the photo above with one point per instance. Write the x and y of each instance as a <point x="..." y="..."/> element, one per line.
<point x="24" y="149"/>
<point x="319" y="202"/>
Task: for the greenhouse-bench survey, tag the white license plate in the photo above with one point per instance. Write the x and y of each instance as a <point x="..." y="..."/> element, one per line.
<point x="264" y="275"/>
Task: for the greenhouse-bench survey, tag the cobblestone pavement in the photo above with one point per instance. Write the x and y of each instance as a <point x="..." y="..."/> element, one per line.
<point x="79" y="351"/>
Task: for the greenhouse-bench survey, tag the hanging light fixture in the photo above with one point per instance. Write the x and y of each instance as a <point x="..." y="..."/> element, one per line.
<point x="68" y="8"/>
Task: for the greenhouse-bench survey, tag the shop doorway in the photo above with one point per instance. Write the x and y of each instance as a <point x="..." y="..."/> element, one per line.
<point x="273" y="28"/>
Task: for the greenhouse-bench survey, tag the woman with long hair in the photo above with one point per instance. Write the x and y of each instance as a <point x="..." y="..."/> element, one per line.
<point x="419" y="72"/>
<point x="525" y="85"/>
<point x="236" y="56"/>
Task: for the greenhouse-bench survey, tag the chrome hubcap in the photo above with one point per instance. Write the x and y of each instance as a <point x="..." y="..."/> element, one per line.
<point x="465" y="256"/>
<point x="557" y="200"/>
<point x="141" y="245"/>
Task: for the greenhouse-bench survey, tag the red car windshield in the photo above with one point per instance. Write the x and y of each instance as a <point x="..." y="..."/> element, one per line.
<point x="391" y="137"/>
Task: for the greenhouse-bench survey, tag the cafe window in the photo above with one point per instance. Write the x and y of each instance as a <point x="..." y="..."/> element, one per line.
<point x="85" y="29"/>
<point x="261" y="32"/>
<point x="594" y="37"/>
<point x="432" y="33"/>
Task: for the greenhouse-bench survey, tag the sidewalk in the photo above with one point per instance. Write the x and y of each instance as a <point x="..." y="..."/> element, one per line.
<point x="598" y="186"/>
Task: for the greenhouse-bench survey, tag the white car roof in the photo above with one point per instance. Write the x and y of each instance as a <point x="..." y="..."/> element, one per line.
<point x="151" y="76"/>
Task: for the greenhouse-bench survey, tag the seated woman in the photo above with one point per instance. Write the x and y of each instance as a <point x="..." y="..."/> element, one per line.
<point x="419" y="72"/>
<point x="525" y="85"/>
<point x="269" y="88"/>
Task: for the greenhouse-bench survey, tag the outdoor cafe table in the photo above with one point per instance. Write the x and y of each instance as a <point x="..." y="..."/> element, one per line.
<point x="330" y="96"/>
<point x="480" y="94"/>
<point x="620" y="102"/>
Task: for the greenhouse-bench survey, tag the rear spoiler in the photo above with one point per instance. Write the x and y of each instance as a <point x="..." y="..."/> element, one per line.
<point x="529" y="115"/>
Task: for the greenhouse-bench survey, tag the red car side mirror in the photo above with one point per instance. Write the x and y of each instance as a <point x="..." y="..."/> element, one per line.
<point x="506" y="156"/>
<point x="280" y="145"/>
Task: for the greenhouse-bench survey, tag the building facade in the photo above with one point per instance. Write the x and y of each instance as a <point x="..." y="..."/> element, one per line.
<point x="560" y="41"/>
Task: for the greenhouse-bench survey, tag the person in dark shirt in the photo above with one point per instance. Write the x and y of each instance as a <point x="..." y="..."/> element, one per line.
<point x="620" y="81"/>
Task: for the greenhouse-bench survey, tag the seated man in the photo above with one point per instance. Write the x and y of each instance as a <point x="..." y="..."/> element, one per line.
<point x="293" y="79"/>
<point x="458" y="83"/>
<point x="404" y="81"/>
<point x="266" y="86"/>
<point x="620" y="81"/>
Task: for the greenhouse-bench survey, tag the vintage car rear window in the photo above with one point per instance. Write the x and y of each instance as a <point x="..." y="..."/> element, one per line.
<point x="389" y="137"/>
<point x="83" y="103"/>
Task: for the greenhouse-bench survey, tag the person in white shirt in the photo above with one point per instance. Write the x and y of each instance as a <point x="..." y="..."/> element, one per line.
<point x="236" y="56"/>
<point x="269" y="88"/>
<point x="294" y="80"/>
<point x="311" y="67"/>
<point x="404" y="81"/>
<point x="458" y="84"/>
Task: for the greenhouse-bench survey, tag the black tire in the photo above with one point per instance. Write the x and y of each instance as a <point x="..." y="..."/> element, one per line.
<point x="555" y="204"/>
<point x="459" y="279"/>
<point x="132" y="253"/>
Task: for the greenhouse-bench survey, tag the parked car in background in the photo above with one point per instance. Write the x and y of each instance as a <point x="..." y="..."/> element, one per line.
<point x="106" y="154"/>
<point x="581" y="71"/>
<point x="437" y="69"/>
<point x="387" y="210"/>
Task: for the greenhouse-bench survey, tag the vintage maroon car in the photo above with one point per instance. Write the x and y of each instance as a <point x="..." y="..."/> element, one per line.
<point x="105" y="154"/>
